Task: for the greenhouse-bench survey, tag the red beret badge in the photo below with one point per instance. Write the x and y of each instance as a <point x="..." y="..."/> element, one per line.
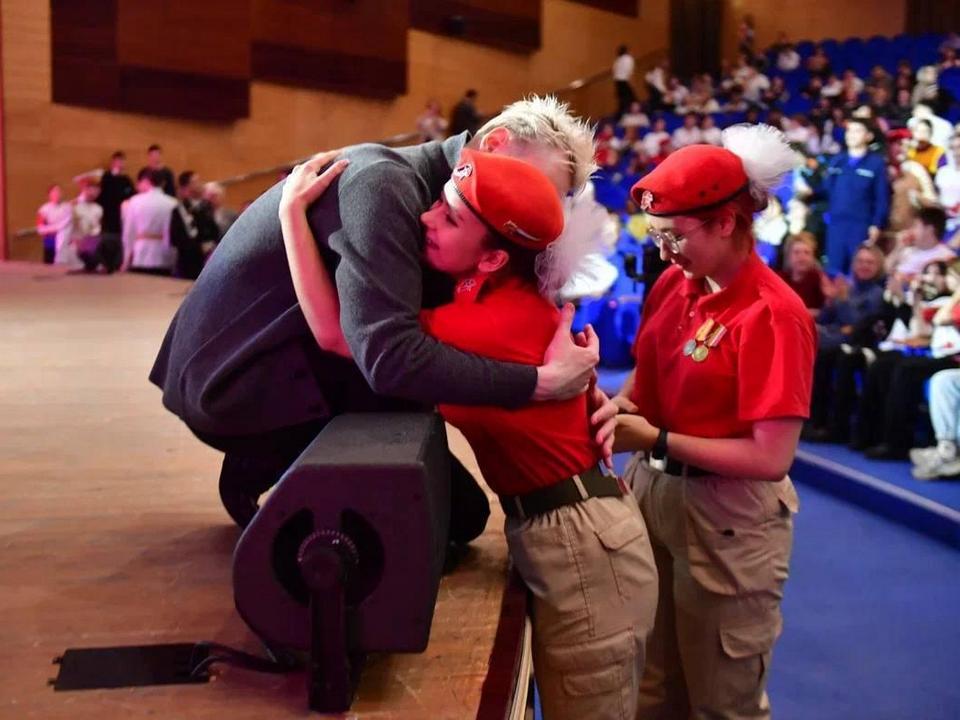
<point x="646" y="200"/>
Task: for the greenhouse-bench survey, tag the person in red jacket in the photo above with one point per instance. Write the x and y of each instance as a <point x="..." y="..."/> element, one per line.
<point x="575" y="533"/>
<point x="714" y="407"/>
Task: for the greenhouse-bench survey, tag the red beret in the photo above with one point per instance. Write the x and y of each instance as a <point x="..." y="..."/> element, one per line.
<point x="511" y="197"/>
<point x="689" y="180"/>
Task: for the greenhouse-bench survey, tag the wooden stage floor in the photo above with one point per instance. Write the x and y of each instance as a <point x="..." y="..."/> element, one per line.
<point x="112" y="533"/>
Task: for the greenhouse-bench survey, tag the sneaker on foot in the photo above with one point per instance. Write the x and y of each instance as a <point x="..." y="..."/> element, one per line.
<point x="924" y="456"/>
<point x="937" y="468"/>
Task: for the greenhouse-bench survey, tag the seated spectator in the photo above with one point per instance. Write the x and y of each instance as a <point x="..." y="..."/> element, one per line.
<point x="735" y="102"/>
<point x="882" y="105"/>
<point x="851" y="82"/>
<point x="813" y="89"/>
<point x="788" y="59"/>
<point x="754" y="85"/>
<point x="215" y="194"/>
<point x="800" y="131"/>
<point x="822" y="111"/>
<point x="947" y="182"/>
<point x="879" y="79"/>
<point x="832" y="88"/>
<point x="931" y="157"/>
<point x="770" y="228"/>
<point x="801" y="271"/>
<point x="849" y="314"/>
<point x="147" y="221"/>
<point x="942" y="129"/>
<point x="431" y="124"/>
<point x="923" y="245"/>
<point x="941" y="460"/>
<point x="607" y="155"/>
<point x="903" y="77"/>
<point x="635" y="117"/>
<point x="53" y="217"/>
<point x="628" y="143"/>
<point x="776" y="94"/>
<point x="948" y="59"/>
<point x="676" y="94"/>
<point x="688" y="133"/>
<point x="902" y="108"/>
<point x="818" y="64"/>
<point x="893" y="383"/>
<point x="927" y="90"/>
<point x="656" y="143"/>
<point x="709" y="132"/>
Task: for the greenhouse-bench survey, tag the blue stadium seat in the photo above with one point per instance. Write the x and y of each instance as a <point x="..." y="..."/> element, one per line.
<point x="854" y="54"/>
<point x="805" y="49"/>
<point x="950" y="81"/>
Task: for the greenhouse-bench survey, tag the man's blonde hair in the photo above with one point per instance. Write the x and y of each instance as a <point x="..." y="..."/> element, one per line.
<point x="547" y="121"/>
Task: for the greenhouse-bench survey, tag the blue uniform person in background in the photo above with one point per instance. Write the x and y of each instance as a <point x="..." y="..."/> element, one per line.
<point x="858" y="195"/>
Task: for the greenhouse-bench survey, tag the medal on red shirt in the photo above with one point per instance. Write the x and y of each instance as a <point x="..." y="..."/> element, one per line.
<point x="704" y="330"/>
<point x="714" y="338"/>
<point x="709" y="335"/>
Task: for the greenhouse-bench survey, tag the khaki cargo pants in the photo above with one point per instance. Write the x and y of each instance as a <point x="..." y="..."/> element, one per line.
<point x="590" y="570"/>
<point x="722" y="548"/>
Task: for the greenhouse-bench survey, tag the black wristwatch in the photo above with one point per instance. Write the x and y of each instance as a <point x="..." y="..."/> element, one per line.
<point x="659" y="450"/>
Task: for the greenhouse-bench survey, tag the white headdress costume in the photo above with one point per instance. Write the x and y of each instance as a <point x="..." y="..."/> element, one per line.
<point x="766" y="156"/>
<point x="574" y="265"/>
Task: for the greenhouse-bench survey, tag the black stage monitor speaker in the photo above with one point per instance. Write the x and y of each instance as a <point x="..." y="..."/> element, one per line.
<point x="346" y="554"/>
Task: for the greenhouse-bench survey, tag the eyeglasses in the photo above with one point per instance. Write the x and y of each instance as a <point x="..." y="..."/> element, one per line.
<point x="671" y="239"/>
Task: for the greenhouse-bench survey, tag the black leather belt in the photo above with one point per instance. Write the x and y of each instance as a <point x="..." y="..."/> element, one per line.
<point x="594" y="482"/>
<point x="675" y="467"/>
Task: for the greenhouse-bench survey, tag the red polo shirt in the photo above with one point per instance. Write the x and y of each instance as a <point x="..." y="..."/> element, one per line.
<point x="761" y="367"/>
<point x="526" y="448"/>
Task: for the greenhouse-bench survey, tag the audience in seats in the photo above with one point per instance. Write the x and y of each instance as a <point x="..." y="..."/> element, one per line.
<point x="801" y="271"/>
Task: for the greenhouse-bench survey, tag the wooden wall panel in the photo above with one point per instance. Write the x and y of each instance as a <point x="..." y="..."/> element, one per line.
<point x="355" y="47"/>
<point x="84" y="53"/>
<point x="178" y="58"/>
<point x="211" y="37"/>
<point x="500" y="23"/>
<point x="623" y="7"/>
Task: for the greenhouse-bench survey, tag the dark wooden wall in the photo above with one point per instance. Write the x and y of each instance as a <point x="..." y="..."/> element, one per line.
<point x="195" y="58"/>
<point x="352" y="46"/>
<point x="936" y="16"/>
<point x="695" y="39"/>
<point x="505" y="24"/>
<point x="622" y="7"/>
<point x="167" y="57"/>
